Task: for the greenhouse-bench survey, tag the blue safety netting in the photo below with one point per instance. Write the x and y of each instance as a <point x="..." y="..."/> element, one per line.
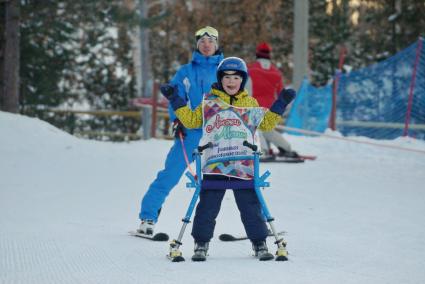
<point x="372" y="101"/>
<point x="311" y="108"/>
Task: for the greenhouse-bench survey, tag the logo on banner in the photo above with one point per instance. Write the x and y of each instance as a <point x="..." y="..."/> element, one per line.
<point x="224" y="128"/>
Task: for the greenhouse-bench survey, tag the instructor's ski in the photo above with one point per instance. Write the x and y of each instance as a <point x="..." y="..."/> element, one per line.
<point x="233" y="238"/>
<point x="158" y="237"/>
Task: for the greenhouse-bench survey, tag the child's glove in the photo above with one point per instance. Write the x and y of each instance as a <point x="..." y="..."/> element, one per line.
<point x="171" y="93"/>
<point x="286" y="96"/>
<point x="178" y="129"/>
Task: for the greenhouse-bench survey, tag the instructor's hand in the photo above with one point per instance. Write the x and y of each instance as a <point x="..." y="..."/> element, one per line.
<point x="168" y="91"/>
<point x="178" y="128"/>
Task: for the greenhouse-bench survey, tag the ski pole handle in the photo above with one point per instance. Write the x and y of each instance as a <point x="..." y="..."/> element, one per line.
<point x="206" y="146"/>
<point x="251" y="146"/>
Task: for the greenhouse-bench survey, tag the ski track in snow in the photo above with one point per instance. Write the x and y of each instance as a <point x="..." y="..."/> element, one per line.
<point x="355" y="215"/>
<point x="33" y="260"/>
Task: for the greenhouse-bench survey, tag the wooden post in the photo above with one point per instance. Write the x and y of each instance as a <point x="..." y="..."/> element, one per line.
<point x="154" y="108"/>
<point x="412" y="88"/>
<point x="146" y="121"/>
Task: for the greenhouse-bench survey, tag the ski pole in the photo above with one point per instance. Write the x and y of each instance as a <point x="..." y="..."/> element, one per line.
<point x="185" y="155"/>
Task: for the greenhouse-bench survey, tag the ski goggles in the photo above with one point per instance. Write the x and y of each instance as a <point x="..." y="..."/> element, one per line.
<point x="209" y="31"/>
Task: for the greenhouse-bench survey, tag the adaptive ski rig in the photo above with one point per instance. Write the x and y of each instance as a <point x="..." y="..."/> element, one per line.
<point x="175" y="255"/>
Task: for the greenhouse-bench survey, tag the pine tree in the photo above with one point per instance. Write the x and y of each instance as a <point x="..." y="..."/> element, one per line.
<point x="76" y="53"/>
<point x="329" y="32"/>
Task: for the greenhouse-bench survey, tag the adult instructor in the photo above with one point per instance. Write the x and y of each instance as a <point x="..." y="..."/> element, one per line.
<point x="193" y="80"/>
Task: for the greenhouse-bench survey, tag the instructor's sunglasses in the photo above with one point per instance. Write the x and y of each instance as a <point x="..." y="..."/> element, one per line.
<point x="209" y="31"/>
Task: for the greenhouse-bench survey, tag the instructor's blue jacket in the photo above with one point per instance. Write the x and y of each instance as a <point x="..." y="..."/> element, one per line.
<point x="195" y="79"/>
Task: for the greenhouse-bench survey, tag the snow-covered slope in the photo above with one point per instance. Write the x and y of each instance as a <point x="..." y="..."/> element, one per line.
<point x="355" y="215"/>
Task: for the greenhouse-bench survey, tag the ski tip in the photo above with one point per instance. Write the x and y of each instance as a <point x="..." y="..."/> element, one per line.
<point x="308" y="157"/>
<point x="158" y="237"/>
<point x="288" y="161"/>
<point x="226" y="238"/>
<point x="161" y="237"/>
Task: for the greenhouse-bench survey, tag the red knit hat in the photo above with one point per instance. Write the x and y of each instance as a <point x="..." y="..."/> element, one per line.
<point x="263" y="50"/>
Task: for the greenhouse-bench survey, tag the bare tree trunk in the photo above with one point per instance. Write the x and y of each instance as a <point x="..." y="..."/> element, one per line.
<point x="10" y="67"/>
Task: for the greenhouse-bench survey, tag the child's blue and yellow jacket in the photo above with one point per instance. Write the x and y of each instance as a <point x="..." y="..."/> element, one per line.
<point x="193" y="118"/>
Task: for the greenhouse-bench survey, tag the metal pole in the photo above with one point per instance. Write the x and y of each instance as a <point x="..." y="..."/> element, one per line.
<point x="146" y="122"/>
<point x="144" y="51"/>
<point x="154" y="109"/>
<point x="412" y="88"/>
<point x="300" y="48"/>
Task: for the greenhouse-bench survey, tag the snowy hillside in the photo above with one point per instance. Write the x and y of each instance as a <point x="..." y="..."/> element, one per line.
<point x="355" y="215"/>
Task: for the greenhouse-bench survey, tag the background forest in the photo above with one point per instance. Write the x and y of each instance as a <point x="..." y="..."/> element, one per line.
<point x="86" y="54"/>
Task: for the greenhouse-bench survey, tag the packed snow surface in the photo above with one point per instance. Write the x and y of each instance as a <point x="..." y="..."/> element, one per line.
<point x="355" y="215"/>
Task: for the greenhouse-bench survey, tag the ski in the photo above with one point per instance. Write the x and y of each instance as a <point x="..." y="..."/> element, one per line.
<point x="299" y="159"/>
<point x="288" y="160"/>
<point x="308" y="157"/>
<point x="233" y="238"/>
<point x="158" y="237"/>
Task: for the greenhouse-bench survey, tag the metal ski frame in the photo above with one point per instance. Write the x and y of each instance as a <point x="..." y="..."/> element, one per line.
<point x="196" y="182"/>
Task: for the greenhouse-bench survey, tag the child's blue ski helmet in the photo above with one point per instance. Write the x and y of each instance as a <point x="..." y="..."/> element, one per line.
<point x="233" y="64"/>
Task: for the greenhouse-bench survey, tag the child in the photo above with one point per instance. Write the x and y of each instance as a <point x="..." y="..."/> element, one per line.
<point x="228" y="116"/>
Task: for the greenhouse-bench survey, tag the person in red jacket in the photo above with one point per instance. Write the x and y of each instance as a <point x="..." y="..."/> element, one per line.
<point x="266" y="81"/>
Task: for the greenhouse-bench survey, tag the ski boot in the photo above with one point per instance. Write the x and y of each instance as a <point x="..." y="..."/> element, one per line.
<point x="286" y="153"/>
<point x="261" y="251"/>
<point x="201" y="249"/>
<point x="146" y="227"/>
<point x="267" y="156"/>
<point x="288" y="156"/>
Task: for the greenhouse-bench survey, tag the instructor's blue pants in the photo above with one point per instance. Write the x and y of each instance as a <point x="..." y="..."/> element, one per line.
<point x="175" y="165"/>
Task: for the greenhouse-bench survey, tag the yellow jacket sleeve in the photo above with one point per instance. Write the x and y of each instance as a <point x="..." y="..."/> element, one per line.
<point x="190" y="118"/>
<point x="270" y="121"/>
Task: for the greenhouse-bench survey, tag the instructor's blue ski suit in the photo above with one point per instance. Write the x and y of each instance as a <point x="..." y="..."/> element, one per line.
<point x="193" y="80"/>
